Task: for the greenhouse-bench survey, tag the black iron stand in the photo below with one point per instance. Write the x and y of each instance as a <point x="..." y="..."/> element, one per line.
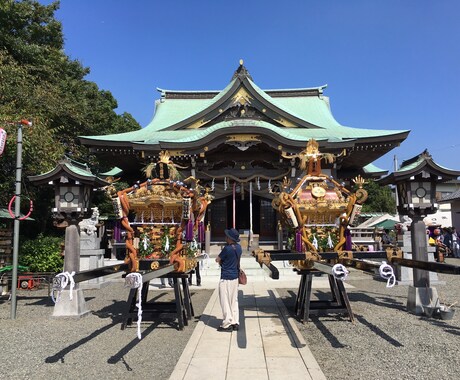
<point x="181" y="307"/>
<point x="304" y="306"/>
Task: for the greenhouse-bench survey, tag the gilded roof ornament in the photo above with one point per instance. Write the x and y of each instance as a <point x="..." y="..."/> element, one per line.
<point x="310" y="158"/>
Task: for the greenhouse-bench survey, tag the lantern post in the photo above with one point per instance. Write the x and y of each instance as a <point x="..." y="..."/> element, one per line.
<point x="415" y="183"/>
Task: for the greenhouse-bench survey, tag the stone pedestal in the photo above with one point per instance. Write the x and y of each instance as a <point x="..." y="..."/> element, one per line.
<point x="405" y="275"/>
<point x="421" y="295"/>
<point x="207" y="241"/>
<point x="66" y="307"/>
<point x="246" y="245"/>
<point x="420" y="298"/>
<point x="91" y="257"/>
<point x="76" y="307"/>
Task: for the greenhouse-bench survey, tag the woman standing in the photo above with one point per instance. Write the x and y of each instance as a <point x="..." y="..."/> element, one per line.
<point x="228" y="260"/>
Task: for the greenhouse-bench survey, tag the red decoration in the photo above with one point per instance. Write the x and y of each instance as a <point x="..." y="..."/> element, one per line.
<point x="31" y="208"/>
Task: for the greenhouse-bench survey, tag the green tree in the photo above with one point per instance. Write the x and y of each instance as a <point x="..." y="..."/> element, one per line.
<point x="380" y="198"/>
<point x="40" y="83"/>
<point x="42" y="254"/>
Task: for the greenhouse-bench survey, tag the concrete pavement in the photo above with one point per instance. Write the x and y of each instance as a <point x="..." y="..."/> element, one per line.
<point x="267" y="346"/>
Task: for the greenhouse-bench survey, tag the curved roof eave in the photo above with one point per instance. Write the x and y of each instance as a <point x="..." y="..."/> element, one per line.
<point x="292" y="136"/>
<point x="85" y="177"/>
<point x="416" y="167"/>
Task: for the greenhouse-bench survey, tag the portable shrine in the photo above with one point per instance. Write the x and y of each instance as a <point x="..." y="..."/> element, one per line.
<point x="317" y="213"/>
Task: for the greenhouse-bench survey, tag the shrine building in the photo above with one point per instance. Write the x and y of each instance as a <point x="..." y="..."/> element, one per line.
<point x="240" y="141"/>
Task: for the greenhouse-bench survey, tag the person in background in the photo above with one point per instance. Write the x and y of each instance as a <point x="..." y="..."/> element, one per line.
<point x="386" y="239"/>
<point x="170" y="282"/>
<point x="228" y="260"/>
<point x="447" y="240"/>
<point x="455" y="243"/>
<point x="198" y="276"/>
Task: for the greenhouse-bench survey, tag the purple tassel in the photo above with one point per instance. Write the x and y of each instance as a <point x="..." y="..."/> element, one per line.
<point x="348" y="243"/>
<point x="201" y="232"/>
<point x="117" y="232"/>
<point x="298" y="241"/>
<point x="189" y="231"/>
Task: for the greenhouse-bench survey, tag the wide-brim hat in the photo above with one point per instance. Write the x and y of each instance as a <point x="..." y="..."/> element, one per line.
<point x="233" y="234"/>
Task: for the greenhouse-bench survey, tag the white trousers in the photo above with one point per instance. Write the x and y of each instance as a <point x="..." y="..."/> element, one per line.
<point x="228" y="295"/>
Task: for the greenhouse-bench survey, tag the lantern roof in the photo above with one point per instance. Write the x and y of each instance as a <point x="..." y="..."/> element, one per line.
<point x="67" y="169"/>
<point x="420" y="164"/>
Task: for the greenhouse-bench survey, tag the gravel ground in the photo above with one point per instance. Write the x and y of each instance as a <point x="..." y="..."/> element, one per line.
<point x="385" y="342"/>
<point x="38" y="346"/>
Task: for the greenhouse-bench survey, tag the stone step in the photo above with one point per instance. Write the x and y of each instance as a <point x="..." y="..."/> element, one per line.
<point x="210" y="268"/>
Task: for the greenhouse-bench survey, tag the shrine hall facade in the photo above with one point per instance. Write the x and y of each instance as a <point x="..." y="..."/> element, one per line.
<point x="235" y="140"/>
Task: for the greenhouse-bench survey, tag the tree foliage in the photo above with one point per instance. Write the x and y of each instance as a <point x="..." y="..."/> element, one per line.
<point x="39" y="82"/>
<point x="380" y="199"/>
<point x="42" y="254"/>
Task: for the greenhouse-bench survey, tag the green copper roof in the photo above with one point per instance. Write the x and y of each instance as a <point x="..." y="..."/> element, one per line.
<point x="371" y="168"/>
<point x="295" y="134"/>
<point x="305" y="112"/>
<point x="71" y="168"/>
<point x="4" y="214"/>
<point x="112" y="172"/>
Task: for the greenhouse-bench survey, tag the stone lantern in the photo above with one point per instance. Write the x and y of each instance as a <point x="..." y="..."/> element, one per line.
<point x="73" y="186"/>
<point x="415" y="183"/>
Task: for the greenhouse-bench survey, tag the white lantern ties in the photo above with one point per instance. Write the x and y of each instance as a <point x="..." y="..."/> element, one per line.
<point x="315" y="242"/>
<point x="167" y="244"/>
<point x="330" y="244"/>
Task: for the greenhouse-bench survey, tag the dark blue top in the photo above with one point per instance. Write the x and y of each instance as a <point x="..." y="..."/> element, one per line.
<point x="229" y="257"/>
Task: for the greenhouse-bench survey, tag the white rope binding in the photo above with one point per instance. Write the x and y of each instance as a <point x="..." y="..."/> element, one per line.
<point x="387" y="273"/>
<point x="60" y="282"/>
<point x="340" y="272"/>
<point x="134" y="281"/>
<point x="204" y="264"/>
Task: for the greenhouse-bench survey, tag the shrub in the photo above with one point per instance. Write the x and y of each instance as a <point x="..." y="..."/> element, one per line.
<point x="42" y="254"/>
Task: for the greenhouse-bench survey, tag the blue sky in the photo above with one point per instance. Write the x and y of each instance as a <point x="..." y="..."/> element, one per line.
<point x="388" y="64"/>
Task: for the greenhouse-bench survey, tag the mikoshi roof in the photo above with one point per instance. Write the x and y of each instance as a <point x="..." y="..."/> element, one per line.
<point x="69" y="168"/>
<point x="417" y="164"/>
<point x="190" y="120"/>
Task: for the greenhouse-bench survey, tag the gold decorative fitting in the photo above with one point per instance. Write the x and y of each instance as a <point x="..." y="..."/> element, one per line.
<point x="359" y="181"/>
<point x="393" y="252"/>
<point x="154" y="265"/>
<point x="242" y="97"/>
<point x="197" y="124"/>
<point x="286" y="123"/>
<point x="243" y="138"/>
<point x="345" y="255"/>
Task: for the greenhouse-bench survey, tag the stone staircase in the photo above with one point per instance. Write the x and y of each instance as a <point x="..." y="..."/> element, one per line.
<point x="211" y="270"/>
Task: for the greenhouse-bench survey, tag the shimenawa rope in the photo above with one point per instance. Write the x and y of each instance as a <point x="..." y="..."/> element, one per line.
<point x="386" y="272"/>
<point x="340" y="272"/>
<point x="134" y="281"/>
<point x="60" y="282"/>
